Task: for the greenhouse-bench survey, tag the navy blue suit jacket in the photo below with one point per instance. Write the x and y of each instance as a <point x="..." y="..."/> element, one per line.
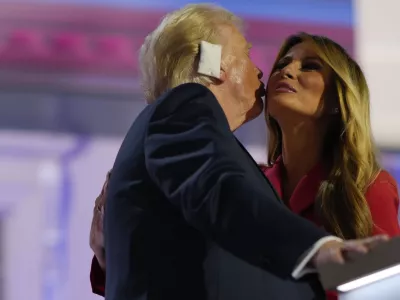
<point x="190" y="216"/>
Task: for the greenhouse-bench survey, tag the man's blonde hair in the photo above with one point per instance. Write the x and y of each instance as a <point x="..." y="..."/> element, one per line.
<point x="169" y="55"/>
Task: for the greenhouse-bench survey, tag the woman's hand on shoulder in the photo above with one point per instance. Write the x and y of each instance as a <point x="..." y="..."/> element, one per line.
<point x="96" y="240"/>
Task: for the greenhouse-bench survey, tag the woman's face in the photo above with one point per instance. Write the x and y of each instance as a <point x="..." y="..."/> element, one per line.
<point x="298" y="86"/>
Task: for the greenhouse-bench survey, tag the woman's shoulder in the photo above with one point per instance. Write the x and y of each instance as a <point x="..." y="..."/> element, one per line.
<point x="383" y="201"/>
<point x="382" y="179"/>
<point x="383" y="189"/>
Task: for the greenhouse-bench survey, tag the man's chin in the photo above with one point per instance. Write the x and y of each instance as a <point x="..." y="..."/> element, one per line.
<point x="256" y="109"/>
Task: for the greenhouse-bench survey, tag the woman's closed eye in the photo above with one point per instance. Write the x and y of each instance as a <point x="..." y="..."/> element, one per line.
<point x="280" y="66"/>
<point x="310" y="66"/>
<point x="306" y="66"/>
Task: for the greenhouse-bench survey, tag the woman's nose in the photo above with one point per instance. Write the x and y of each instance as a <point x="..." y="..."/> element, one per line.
<point x="289" y="71"/>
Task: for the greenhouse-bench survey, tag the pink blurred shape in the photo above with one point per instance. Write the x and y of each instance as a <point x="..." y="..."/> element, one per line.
<point x="264" y="56"/>
<point x="70" y="51"/>
<point x="23" y="47"/>
<point x="115" y="52"/>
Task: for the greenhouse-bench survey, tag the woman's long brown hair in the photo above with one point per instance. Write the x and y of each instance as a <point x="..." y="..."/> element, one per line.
<point x="349" y="148"/>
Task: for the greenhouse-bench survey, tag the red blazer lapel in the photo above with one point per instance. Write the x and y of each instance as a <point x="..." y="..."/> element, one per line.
<point x="304" y="195"/>
<point x="306" y="191"/>
<point x="274" y="174"/>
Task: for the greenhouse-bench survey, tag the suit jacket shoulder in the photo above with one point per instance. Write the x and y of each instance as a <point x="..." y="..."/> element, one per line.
<point x="193" y="94"/>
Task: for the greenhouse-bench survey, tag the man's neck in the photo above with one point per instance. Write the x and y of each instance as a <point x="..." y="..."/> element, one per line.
<point x="235" y="119"/>
<point x="233" y="111"/>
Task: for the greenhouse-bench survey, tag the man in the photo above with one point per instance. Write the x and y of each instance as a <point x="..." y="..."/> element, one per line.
<point x="188" y="213"/>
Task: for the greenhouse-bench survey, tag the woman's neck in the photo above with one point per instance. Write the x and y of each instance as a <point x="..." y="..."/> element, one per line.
<point x="301" y="151"/>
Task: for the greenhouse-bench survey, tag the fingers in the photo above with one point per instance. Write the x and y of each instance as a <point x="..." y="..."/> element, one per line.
<point x="371" y="245"/>
<point x="352" y="249"/>
<point x="99" y="206"/>
<point x="104" y="188"/>
<point x="374" y="241"/>
<point x="107" y="181"/>
<point x="377" y="239"/>
<point x="355" y="246"/>
<point x="341" y="252"/>
<point x="337" y="256"/>
<point x="367" y="243"/>
<point x="96" y="239"/>
<point x="100" y="200"/>
<point x="364" y="245"/>
<point x="330" y="252"/>
<point x="105" y="184"/>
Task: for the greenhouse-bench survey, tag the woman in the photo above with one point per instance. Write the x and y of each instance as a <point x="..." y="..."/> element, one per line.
<point x="319" y="123"/>
<point x="321" y="157"/>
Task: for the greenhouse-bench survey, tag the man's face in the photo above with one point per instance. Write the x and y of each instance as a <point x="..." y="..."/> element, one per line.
<point x="243" y="78"/>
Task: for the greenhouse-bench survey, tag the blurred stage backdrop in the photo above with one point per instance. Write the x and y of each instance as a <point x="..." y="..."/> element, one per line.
<point x="68" y="93"/>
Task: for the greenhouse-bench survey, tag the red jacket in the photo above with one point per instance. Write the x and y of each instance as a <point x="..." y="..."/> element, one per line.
<point x="381" y="195"/>
<point x="382" y="198"/>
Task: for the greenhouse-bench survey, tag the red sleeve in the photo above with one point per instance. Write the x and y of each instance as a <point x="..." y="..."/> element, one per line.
<point x="97" y="278"/>
<point x="383" y="201"/>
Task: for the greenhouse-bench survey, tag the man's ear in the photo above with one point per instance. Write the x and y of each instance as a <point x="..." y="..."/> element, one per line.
<point x="222" y="77"/>
<point x="222" y="74"/>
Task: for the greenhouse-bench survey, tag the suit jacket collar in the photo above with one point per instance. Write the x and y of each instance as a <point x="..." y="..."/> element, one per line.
<point x="278" y="196"/>
<point x="304" y="194"/>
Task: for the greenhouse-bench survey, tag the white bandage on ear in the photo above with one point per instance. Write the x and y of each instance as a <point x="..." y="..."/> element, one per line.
<point x="210" y="59"/>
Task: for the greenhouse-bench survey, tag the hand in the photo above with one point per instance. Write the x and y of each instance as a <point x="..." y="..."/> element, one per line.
<point x="340" y="252"/>
<point x="96" y="241"/>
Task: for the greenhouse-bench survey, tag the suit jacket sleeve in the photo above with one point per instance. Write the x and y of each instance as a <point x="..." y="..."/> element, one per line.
<point x="97" y="278"/>
<point x="188" y="158"/>
<point x="383" y="201"/>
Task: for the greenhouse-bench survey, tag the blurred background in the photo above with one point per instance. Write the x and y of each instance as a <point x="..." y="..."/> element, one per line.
<point x="69" y="91"/>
